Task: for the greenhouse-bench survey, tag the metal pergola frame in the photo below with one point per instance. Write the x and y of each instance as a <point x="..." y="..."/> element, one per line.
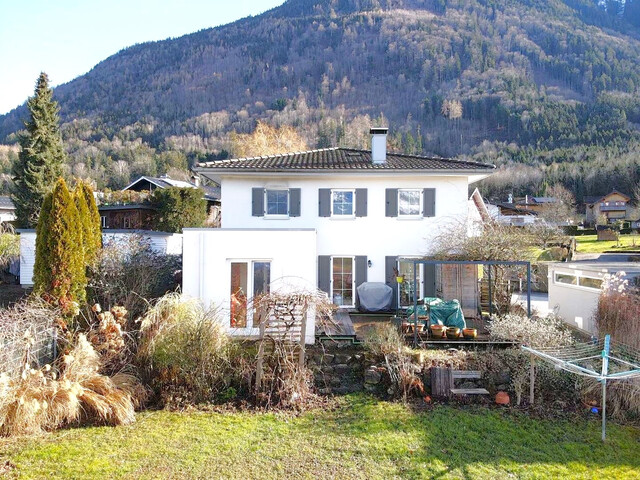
<point x="417" y="262"/>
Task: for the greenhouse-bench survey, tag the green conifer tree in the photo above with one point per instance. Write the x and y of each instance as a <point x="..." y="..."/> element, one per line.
<point x="41" y="156"/>
<point x="59" y="271"/>
<point x="89" y="220"/>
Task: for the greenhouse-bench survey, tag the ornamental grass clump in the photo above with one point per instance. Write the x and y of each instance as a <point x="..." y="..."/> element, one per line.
<point x="618" y="314"/>
<point x="71" y="392"/>
<point x="186" y="352"/>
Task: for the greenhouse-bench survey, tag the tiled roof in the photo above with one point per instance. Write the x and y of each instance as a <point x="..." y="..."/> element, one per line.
<point x="6" y="203"/>
<point x="340" y="159"/>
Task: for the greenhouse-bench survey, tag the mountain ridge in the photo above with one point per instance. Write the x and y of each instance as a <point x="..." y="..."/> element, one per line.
<point x="543" y="76"/>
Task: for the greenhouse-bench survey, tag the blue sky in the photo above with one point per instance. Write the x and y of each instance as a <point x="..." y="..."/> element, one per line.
<point x="66" y="38"/>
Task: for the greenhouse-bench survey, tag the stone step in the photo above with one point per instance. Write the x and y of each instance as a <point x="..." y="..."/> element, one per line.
<point x="469" y="391"/>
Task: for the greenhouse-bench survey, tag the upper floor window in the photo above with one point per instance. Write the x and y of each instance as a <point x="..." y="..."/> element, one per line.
<point x="277" y="202"/>
<point x="409" y="203"/>
<point x="342" y="203"/>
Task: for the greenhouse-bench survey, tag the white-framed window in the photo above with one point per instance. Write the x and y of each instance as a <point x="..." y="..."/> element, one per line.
<point x="276" y="203"/>
<point x="590" y="282"/>
<point x="343" y="285"/>
<point x="409" y="203"/>
<point x="566" y="278"/>
<point x="343" y="203"/>
<point x="245" y="287"/>
<point x="103" y="221"/>
<point x="126" y="222"/>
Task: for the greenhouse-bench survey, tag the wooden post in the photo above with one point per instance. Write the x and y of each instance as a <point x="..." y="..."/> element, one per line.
<point x="532" y="379"/>
<point x="259" y="365"/>
<point x="303" y="330"/>
<point x="441" y="381"/>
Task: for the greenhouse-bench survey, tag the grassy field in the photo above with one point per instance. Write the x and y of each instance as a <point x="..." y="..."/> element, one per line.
<point x="359" y="438"/>
<point x="590" y="244"/>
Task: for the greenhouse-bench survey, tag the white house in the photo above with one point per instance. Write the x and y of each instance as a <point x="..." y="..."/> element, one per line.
<point x="7" y="209"/>
<point x="349" y="213"/>
<point x="575" y="287"/>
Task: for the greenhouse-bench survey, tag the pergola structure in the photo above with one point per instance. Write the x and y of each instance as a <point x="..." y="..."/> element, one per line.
<point x="488" y="263"/>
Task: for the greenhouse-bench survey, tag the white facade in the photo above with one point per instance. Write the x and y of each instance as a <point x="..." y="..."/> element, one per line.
<point x="374" y="235"/>
<point x="160" y="242"/>
<point x="207" y="267"/>
<point x="574" y="290"/>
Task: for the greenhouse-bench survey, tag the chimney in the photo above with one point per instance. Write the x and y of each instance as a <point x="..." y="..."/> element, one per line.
<point x="378" y="145"/>
<point x="195" y="179"/>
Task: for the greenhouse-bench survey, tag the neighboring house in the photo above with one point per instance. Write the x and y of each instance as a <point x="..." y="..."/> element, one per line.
<point x="160" y="242"/>
<point x="211" y="193"/>
<point x="510" y="214"/>
<point x="7" y="209"/>
<point x="613" y="206"/>
<point x="535" y="204"/>
<point x="127" y="216"/>
<point x="575" y="287"/>
<point x="331" y="218"/>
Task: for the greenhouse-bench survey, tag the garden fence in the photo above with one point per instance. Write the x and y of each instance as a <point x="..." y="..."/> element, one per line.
<point x="37" y="347"/>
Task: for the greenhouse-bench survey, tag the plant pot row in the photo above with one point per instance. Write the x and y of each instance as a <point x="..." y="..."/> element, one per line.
<point x="452" y="333"/>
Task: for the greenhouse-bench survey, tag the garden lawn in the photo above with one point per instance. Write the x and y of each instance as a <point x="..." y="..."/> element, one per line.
<point x="590" y="244"/>
<point x="360" y="438"/>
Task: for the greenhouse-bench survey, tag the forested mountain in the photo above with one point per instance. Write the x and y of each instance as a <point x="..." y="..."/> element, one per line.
<point x="546" y="89"/>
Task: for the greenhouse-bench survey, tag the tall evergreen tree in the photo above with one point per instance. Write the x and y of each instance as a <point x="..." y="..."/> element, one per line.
<point x="59" y="271"/>
<point x="41" y="156"/>
<point x="89" y="220"/>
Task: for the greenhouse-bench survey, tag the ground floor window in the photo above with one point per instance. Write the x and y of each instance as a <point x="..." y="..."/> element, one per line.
<point x="343" y="281"/>
<point x="247" y="276"/>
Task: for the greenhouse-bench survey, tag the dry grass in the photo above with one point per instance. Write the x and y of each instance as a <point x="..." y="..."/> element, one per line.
<point x="39" y="400"/>
<point x="186" y="352"/>
<point x="618" y="314"/>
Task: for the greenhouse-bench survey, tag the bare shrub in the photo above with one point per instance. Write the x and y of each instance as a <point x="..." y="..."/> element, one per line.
<point x="534" y="332"/>
<point x="40" y="399"/>
<point x="186" y="352"/>
<point x="282" y="378"/>
<point x="129" y="273"/>
<point x="385" y="343"/>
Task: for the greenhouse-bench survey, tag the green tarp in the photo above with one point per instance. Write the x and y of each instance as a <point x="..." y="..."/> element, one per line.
<point x="440" y="312"/>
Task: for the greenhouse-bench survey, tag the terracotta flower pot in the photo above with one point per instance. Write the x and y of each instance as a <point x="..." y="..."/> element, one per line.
<point x="502" y="398"/>
<point x="469" y="333"/>
<point x="438" y="331"/>
<point x="453" y="332"/>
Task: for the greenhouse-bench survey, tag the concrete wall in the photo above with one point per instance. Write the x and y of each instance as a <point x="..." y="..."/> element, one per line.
<point x="161" y="242"/>
<point x="208" y="254"/>
<point x="375" y="235"/>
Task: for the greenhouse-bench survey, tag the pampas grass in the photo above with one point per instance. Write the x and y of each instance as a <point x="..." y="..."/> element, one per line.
<point x="38" y="400"/>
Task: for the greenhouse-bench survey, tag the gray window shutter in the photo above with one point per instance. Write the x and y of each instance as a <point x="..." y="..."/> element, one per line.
<point x="324" y="273"/>
<point x="324" y="202"/>
<point x="361" y="269"/>
<point x="429" y="202"/>
<point x="361" y="273"/>
<point x="257" y="202"/>
<point x="361" y="202"/>
<point x="430" y="280"/>
<point x="294" y="202"/>
<point x="392" y="202"/>
<point x="390" y="278"/>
